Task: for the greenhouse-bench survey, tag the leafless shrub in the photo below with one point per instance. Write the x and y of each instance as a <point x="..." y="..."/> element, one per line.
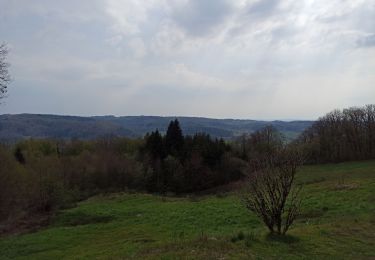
<point x="4" y="74"/>
<point x="270" y="192"/>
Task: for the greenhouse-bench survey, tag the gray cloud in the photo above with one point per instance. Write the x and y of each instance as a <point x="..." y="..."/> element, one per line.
<point x="199" y="18"/>
<point x="366" y="41"/>
<point x="263" y="7"/>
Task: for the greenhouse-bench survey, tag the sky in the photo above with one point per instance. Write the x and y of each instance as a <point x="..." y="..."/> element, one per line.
<point x="253" y="59"/>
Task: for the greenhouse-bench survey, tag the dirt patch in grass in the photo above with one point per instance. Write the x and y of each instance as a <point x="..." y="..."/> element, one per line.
<point x="312" y="213"/>
<point x="346" y="186"/>
<point x="287" y="239"/>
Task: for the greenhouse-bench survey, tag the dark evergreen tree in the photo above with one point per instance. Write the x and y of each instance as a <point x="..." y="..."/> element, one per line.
<point x="174" y="140"/>
<point x="155" y="145"/>
<point x="19" y="156"/>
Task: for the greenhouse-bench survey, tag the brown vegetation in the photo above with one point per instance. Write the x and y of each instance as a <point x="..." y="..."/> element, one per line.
<point x="341" y="136"/>
<point x="270" y="193"/>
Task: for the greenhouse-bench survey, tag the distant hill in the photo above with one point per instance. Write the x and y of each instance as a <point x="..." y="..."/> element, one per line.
<point x="21" y="126"/>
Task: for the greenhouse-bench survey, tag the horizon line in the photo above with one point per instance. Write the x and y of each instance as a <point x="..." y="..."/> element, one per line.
<point x="162" y="116"/>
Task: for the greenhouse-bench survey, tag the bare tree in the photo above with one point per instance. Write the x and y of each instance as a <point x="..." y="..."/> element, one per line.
<point x="341" y="136"/>
<point x="270" y="193"/>
<point x="4" y="73"/>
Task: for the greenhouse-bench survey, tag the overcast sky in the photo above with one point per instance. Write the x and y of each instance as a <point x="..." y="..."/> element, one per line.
<point x="251" y="59"/>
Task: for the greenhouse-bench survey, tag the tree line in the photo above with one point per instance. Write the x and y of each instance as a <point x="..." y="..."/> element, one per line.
<point x="340" y="135"/>
<point x="41" y="176"/>
<point x="44" y="175"/>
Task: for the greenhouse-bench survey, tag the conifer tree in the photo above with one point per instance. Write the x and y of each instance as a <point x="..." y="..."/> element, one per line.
<point x="155" y="146"/>
<point x="174" y="139"/>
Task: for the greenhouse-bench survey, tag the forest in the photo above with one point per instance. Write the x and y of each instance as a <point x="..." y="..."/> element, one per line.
<point x="40" y="176"/>
<point x="339" y="136"/>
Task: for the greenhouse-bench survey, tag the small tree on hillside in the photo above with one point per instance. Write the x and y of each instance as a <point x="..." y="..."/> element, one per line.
<point x="270" y="193"/>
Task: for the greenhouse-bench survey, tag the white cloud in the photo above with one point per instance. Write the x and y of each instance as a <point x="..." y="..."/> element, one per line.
<point x="128" y="16"/>
<point x="137" y="47"/>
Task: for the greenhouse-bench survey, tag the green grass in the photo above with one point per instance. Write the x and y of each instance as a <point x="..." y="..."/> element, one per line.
<point x="337" y="222"/>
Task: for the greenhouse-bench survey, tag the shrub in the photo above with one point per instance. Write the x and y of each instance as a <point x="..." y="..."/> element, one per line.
<point x="270" y="193"/>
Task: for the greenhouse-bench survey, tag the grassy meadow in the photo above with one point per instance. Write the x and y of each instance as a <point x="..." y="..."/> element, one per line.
<point x="337" y="222"/>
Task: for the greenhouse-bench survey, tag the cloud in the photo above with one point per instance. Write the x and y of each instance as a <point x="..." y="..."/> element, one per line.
<point x="263" y="7"/>
<point x="212" y="57"/>
<point x="138" y="47"/>
<point x="366" y="41"/>
<point x="201" y="18"/>
<point x="69" y="11"/>
<point x="128" y="15"/>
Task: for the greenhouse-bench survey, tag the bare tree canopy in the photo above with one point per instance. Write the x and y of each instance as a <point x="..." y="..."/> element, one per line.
<point x="4" y="73"/>
<point x="270" y="193"/>
<point x="341" y="135"/>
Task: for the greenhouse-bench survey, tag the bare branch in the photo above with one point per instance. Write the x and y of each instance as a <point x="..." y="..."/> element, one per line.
<point x="4" y="73"/>
<point x="270" y="193"/>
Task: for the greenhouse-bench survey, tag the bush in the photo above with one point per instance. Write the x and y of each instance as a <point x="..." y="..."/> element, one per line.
<point x="270" y="193"/>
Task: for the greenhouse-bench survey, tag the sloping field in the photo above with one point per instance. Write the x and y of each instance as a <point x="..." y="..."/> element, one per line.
<point x="337" y="222"/>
